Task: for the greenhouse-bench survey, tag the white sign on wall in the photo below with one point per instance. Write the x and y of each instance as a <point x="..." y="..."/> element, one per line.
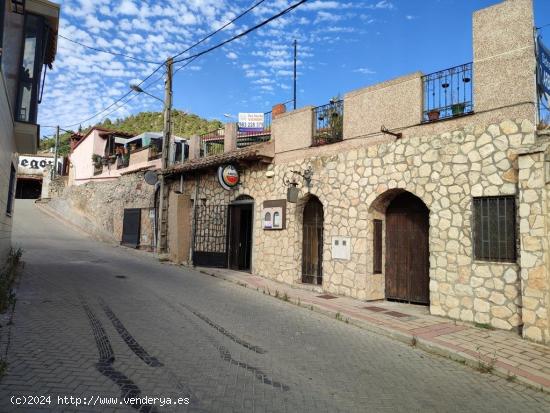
<point x="35" y="165"/>
<point x="251" y="121"/>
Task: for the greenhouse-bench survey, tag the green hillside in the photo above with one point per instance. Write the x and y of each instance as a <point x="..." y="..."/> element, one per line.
<point x="183" y="124"/>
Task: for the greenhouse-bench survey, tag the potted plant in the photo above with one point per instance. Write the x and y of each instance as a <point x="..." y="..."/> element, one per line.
<point x="96" y="160"/>
<point x="458" y="109"/>
<point x="433" y="114"/>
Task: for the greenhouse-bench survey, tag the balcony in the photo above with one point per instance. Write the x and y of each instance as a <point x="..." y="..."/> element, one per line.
<point x="26" y="137"/>
<point x="448" y="93"/>
<point x="212" y="143"/>
<point x="328" y="123"/>
<point x="123" y="161"/>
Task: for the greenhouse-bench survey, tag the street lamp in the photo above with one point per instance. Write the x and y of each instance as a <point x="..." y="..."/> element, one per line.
<point x="138" y="89"/>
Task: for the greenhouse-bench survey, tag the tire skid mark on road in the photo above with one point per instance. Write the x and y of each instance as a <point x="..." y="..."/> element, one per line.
<point x="224" y="353"/>
<point x="228" y="334"/>
<point x="106" y="359"/>
<point x="130" y="341"/>
<point x="226" y="356"/>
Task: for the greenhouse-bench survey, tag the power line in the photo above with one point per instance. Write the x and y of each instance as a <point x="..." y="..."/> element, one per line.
<point x="242" y="34"/>
<point x="162" y="64"/>
<point x="116" y="101"/>
<point x="190" y="59"/>
<point x="221" y="28"/>
<point x="107" y="51"/>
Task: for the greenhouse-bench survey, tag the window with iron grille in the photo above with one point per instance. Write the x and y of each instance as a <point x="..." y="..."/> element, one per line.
<point x="494" y="228"/>
<point x="11" y="190"/>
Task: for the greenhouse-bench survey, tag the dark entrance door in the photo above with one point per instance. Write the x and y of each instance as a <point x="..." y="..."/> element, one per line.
<point x="312" y="245"/>
<point x="131" y="227"/>
<point x="240" y="234"/>
<point x="210" y="244"/>
<point x="28" y="188"/>
<point x="407" y="251"/>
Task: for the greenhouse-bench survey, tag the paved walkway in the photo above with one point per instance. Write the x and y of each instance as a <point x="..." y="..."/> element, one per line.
<point x="496" y="351"/>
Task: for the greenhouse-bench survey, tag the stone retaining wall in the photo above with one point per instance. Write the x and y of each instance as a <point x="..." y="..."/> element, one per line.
<point x="98" y="207"/>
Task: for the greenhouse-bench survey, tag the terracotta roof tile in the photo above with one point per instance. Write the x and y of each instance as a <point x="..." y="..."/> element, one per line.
<point x="250" y="153"/>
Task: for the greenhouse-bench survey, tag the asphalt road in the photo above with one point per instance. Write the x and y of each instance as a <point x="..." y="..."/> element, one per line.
<point x="98" y="321"/>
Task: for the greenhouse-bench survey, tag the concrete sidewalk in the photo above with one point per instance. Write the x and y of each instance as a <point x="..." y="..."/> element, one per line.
<point x="500" y="352"/>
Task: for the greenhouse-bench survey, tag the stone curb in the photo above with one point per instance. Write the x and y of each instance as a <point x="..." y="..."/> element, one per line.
<point x="406" y="338"/>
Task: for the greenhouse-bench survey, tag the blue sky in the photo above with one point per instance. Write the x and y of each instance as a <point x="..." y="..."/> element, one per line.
<point x="343" y="45"/>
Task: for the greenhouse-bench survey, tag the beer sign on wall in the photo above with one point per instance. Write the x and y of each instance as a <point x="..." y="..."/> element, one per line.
<point x="228" y="177"/>
<point x="35" y="165"/>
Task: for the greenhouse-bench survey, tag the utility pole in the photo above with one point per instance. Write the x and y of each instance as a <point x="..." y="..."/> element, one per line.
<point x="166" y="143"/>
<point x="54" y="170"/>
<point x="295" y="59"/>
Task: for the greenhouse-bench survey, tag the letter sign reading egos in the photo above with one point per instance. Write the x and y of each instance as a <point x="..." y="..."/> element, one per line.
<point x="228" y="177"/>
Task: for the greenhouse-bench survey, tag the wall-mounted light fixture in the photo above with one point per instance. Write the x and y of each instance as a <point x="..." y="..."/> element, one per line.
<point x="293" y="191"/>
<point x="18" y="6"/>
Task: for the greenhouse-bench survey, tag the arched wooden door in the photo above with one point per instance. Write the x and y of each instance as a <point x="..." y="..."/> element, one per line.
<point x="312" y="245"/>
<point x="407" y="250"/>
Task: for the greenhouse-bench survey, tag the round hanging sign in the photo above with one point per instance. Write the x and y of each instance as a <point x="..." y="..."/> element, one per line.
<point x="228" y="177"/>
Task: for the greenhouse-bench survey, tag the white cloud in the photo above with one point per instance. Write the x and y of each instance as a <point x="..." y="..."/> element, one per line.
<point x="383" y="4"/>
<point x="128" y="7"/>
<point x="365" y="71"/>
<point x="84" y="81"/>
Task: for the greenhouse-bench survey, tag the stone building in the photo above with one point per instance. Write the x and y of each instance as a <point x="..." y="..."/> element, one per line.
<point x="427" y="189"/>
<point x="28" y="42"/>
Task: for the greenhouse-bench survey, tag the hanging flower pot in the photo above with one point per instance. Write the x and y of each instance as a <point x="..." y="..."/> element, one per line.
<point x="458" y="109"/>
<point x="433" y="114"/>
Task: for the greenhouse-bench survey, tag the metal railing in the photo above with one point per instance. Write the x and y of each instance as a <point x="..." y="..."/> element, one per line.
<point x="329" y="123"/>
<point x="448" y="93"/>
<point x="123" y="161"/>
<point x="154" y="153"/>
<point x="247" y="138"/>
<point x="212" y="143"/>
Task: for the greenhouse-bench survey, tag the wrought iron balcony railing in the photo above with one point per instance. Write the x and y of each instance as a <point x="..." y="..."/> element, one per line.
<point x="123" y="161"/>
<point x="448" y="93"/>
<point x="329" y="123"/>
<point x="247" y="138"/>
<point x="212" y="143"/>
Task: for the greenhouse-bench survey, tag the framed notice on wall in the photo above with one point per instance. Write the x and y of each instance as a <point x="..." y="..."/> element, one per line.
<point x="274" y="214"/>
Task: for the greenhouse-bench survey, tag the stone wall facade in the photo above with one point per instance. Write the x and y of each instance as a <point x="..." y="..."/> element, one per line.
<point x="534" y="212"/>
<point x="446" y="171"/>
<point x="98" y="207"/>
